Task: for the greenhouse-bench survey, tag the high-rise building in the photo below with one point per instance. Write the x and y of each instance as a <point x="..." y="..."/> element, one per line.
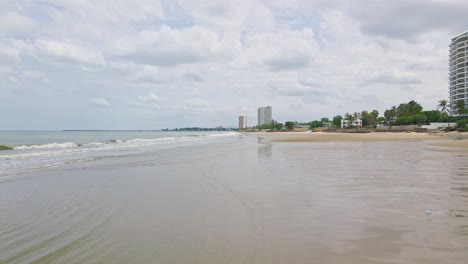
<point x="458" y="69"/>
<point x="264" y="115"/>
<point x="242" y="122"/>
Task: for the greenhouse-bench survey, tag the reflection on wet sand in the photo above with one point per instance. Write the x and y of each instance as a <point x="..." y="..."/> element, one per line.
<point x="265" y="148"/>
<point x="459" y="191"/>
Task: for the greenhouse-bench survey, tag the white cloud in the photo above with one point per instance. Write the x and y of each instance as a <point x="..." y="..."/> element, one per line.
<point x="9" y="58"/>
<point x="98" y="102"/>
<point x="196" y="103"/>
<point x="12" y="23"/>
<point x="35" y="76"/>
<point x="147" y="73"/>
<point x="231" y="16"/>
<point x="171" y="47"/>
<point x="151" y="100"/>
<point x="64" y="52"/>
<point x="393" y="80"/>
<point x="288" y="61"/>
<point x="109" y="11"/>
<point x="9" y="55"/>
<point x="296" y="107"/>
<point x="283" y="49"/>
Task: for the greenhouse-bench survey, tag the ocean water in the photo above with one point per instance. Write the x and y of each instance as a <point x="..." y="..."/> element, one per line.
<point x="40" y="149"/>
<point x="238" y="198"/>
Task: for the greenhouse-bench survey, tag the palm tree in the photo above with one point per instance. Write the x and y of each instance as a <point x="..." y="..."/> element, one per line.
<point x="444" y="108"/>
<point x="460" y="108"/>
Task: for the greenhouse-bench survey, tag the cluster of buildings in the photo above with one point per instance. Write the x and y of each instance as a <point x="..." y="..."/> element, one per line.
<point x="264" y="117"/>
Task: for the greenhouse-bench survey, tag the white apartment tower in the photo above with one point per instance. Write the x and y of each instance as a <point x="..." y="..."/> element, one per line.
<point x="458" y="69"/>
<point x="264" y="115"/>
<point x="242" y="122"/>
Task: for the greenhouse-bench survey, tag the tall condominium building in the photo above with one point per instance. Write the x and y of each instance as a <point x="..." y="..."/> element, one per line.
<point x="242" y="122"/>
<point x="264" y="115"/>
<point x="459" y="69"/>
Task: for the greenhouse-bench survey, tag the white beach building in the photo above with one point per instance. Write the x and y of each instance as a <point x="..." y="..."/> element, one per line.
<point x="355" y="123"/>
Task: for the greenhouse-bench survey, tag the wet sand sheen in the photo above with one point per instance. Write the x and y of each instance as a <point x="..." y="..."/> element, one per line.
<point x="348" y="137"/>
<point x="253" y="201"/>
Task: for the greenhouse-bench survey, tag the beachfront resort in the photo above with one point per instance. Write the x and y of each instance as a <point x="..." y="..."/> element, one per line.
<point x="407" y="117"/>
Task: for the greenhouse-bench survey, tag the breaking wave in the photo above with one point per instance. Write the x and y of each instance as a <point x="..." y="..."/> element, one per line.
<point x="27" y="157"/>
<point x="48" y="146"/>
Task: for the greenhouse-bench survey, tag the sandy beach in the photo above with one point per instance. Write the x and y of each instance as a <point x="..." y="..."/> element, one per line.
<point x="248" y="198"/>
<point x="356" y="137"/>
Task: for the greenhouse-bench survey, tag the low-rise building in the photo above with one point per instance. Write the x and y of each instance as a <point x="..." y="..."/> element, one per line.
<point x="354" y="123"/>
<point x="299" y="128"/>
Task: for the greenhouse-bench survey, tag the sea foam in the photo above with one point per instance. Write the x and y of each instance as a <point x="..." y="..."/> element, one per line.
<point x="49" y="146"/>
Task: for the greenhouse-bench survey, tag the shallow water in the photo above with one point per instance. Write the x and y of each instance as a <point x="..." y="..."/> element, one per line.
<point x="34" y="150"/>
<point x="243" y="200"/>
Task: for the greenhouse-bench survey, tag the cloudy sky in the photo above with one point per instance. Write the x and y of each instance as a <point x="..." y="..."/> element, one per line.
<point x="144" y="64"/>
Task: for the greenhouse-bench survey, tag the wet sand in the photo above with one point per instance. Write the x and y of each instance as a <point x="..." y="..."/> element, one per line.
<point x="457" y="143"/>
<point x="250" y="200"/>
<point x="347" y="137"/>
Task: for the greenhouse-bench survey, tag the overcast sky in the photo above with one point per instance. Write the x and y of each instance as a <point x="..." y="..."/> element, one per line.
<point x="144" y="64"/>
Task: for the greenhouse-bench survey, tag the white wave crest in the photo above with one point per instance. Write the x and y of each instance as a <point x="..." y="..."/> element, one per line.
<point x="49" y="146"/>
<point x="93" y="145"/>
<point x="227" y="134"/>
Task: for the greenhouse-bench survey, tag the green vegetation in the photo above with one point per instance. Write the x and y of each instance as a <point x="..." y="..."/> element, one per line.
<point x="462" y="124"/>
<point x="273" y="126"/>
<point x="410" y="113"/>
<point x="289" y="125"/>
<point x="460" y="108"/>
<point x="444" y="108"/>
<point x="3" y="147"/>
<point x="369" y="119"/>
<point x="315" y="124"/>
<point x="390" y="116"/>
<point x="337" y="121"/>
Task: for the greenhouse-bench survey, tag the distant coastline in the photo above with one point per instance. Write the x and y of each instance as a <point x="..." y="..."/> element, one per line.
<point x="154" y="130"/>
<point x="110" y="130"/>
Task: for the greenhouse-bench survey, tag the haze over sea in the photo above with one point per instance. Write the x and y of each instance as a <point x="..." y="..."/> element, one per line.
<point x="197" y="197"/>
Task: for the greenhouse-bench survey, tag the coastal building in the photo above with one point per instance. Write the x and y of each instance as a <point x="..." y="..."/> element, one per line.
<point x="356" y="123"/>
<point x="301" y="128"/>
<point x="242" y="122"/>
<point x="458" y="75"/>
<point x="264" y="115"/>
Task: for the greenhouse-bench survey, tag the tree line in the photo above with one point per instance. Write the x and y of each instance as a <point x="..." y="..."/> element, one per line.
<point x="410" y="113"/>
